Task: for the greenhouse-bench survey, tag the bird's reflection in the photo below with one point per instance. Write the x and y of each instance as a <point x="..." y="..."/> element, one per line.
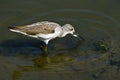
<point x="53" y="62"/>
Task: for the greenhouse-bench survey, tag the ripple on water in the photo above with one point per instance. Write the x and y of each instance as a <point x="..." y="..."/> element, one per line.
<point x="93" y="26"/>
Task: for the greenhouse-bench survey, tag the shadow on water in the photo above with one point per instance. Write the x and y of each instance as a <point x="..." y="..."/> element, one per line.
<point x="30" y="46"/>
<point x="20" y="46"/>
<point x="95" y="57"/>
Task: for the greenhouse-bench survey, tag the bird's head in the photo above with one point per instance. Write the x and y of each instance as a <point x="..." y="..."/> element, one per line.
<point x="69" y="29"/>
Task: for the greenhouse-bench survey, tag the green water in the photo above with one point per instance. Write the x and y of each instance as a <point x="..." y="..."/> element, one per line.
<point x="97" y="58"/>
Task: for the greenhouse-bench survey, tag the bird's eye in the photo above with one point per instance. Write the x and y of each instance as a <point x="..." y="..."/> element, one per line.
<point x="71" y="29"/>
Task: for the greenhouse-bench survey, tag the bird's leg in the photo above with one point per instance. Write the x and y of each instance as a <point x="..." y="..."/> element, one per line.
<point x="45" y="50"/>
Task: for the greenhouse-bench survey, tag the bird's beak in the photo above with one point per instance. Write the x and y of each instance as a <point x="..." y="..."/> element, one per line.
<point x="79" y="37"/>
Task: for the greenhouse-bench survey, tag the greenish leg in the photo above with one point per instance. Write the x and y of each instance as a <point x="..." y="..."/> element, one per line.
<point x="45" y="50"/>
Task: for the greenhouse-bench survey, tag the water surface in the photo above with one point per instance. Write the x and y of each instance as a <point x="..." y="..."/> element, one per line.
<point x="97" y="58"/>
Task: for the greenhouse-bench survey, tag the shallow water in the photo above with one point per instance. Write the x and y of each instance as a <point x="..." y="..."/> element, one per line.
<point x="97" y="58"/>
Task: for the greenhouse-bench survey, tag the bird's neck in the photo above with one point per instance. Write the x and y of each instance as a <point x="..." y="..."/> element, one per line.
<point x="63" y="33"/>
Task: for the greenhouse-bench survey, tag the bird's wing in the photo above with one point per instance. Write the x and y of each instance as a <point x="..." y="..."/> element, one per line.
<point x="37" y="28"/>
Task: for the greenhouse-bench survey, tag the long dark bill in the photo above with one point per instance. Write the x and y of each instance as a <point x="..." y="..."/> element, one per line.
<point x="79" y="37"/>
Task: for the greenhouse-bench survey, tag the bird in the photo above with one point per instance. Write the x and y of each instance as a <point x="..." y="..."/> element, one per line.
<point x="45" y="31"/>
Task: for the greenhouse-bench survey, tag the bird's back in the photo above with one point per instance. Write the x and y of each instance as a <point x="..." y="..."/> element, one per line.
<point x="44" y="27"/>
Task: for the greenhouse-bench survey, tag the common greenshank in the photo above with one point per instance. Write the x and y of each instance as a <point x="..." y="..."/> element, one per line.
<point x="45" y="31"/>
